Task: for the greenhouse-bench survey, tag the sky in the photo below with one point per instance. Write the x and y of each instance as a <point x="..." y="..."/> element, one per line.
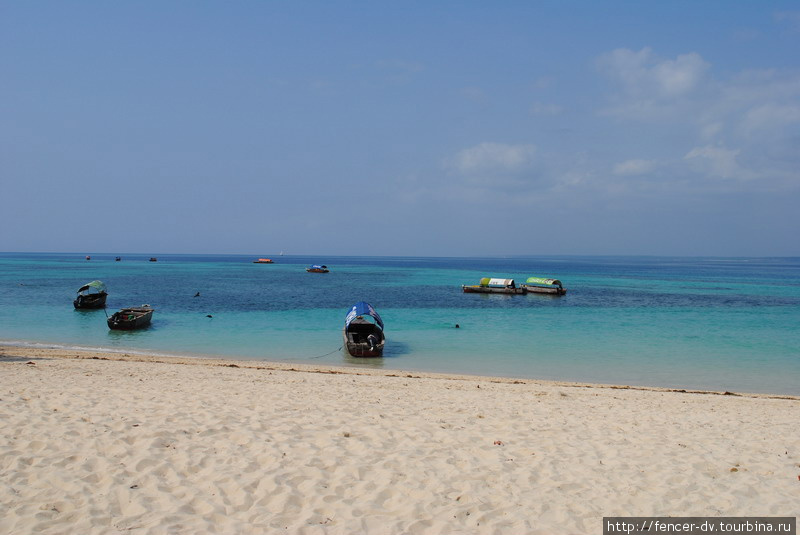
<point x="401" y="128"/>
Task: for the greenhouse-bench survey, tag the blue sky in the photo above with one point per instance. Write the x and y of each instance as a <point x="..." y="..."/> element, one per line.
<point x="401" y="128"/>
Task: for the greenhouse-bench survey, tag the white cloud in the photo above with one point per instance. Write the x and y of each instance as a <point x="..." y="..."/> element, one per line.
<point x="493" y="157"/>
<point x="758" y="112"/>
<point x="717" y="161"/>
<point x="634" y="167"/>
<point x="679" y="76"/>
<point x="488" y="172"/>
<point x="710" y="130"/>
<point x="643" y="75"/>
<point x="770" y="116"/>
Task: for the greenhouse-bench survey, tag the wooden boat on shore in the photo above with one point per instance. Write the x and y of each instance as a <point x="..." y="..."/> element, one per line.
<point x="263" y="261"/>
<point x="91" y="295"/>
<point x="316" y="268"/>
<point x="494" y="286"/>
<point x="131" y="318"/>
<point x="539" y="285"/>
<point x="363" y="338"/>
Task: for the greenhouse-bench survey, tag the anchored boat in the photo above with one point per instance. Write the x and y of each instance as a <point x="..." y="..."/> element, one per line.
<point x="363" y="338"/>
<point x="91" y="295"/>
<point x="539" y="285"/>
<point x="494" y="286"/>
<point x="131" y="318"/>
<point x="316" y="268"/>
<point x="263" y="261"/>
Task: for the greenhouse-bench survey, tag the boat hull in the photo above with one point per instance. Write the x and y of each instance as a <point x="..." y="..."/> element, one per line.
<point x="491" y="290"/>
<point x="356" y="346"/>
<point x="129" y="319"/>
<point x="90" y="301"/>
<point x="318" y="270"/>
<point x="548" y="291"/>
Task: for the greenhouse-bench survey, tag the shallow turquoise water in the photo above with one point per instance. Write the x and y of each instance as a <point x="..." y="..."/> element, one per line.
<point x="706" y="323"/>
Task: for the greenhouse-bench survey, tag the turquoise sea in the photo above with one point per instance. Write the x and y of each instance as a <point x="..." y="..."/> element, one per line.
<point x="695" y="323"/>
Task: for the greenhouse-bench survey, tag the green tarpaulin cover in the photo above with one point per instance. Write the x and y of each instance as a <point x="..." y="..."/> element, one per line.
<point x="93" y="287"/>
<point x="540" y="280"/>
<point x="486" y="281"/>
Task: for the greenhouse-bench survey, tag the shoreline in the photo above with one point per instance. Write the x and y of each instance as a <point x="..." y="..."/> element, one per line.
<point x="26" y="352"/>
<point x="110" y="443"/>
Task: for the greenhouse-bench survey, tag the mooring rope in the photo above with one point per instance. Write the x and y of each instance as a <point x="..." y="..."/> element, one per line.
<point x="326" y="354"/>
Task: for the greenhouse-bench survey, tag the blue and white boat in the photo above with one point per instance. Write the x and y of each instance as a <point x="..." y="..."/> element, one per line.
<point x="362" y="337"/>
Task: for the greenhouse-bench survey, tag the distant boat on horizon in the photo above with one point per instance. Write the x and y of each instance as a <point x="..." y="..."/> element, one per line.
<point x="263" y="261"/>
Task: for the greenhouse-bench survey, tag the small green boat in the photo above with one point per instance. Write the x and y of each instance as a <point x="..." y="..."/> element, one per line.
<point x="539" y="285"/>
<point x="91" y="295"/>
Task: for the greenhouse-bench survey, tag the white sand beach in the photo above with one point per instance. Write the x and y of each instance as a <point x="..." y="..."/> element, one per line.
<point x="113" y="443"/>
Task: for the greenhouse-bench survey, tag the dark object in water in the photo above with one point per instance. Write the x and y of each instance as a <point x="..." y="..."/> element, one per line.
<point x="362" y="338"/>
<point x="131" y="318"/>
<point x="197" y="294"/>
<point x="458" y="326"/>
<point x="317" y="268"/>
<point x="153" y="259"/>
<point x="91" y="295"/>
<point x="117" y="259"/>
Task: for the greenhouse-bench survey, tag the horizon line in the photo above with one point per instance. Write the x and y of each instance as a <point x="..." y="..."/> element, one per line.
<point x="497" y="256"/>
